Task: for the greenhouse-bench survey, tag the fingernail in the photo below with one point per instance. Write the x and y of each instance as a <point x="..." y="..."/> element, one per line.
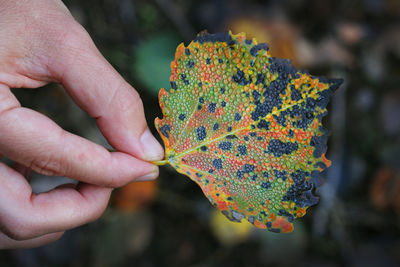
<point x="148" y="177"/>
<point x="151" y="147"/>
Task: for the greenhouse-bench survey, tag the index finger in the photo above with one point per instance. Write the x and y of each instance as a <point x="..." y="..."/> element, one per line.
<point x="98" y="88"/>
<point x="33" y="140"/>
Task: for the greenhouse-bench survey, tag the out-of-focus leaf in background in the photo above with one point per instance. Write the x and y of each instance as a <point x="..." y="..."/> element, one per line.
<point x="280" y="35"/>
<point x="228" y="232"/>
<point x="152" y="59"/>
<point x="135" y="196"/>
<point x="385" y="189"/>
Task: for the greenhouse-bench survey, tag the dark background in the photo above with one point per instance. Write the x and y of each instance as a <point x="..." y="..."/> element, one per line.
<point x="169" y="222"/>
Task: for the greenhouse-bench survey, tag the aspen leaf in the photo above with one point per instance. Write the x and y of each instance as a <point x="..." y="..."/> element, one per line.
<point x="246" y="127"/>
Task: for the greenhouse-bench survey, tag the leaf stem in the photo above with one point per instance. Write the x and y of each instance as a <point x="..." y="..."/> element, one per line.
<point x="160" y="162"/>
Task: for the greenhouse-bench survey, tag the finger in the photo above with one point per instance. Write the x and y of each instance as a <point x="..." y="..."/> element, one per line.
<point x="25" y="215"/>
<point x="23" y="170"/>
<point x="8" y="243"/>
<point x="35" y="141"/>
<point x="97" y="87"/>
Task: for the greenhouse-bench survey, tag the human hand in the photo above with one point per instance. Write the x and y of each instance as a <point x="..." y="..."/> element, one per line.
<point x="40" y="42"/>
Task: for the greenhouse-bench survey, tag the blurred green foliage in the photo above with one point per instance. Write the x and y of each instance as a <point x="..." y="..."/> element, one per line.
<point x="152" y="58"/>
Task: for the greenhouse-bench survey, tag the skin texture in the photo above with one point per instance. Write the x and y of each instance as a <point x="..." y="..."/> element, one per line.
<point x="40" y="42"/>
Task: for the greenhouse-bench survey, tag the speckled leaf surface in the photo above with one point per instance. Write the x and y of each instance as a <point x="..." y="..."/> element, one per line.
<point x="246" y="127"/>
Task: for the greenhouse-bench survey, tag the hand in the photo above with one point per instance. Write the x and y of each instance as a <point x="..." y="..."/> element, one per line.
<point x="40" y="42"/>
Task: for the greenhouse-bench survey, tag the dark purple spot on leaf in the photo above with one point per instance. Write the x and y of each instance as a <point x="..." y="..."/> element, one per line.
<point x="165" y="130"/>
<point x="237" y="116"/>
<point x="225" y="145"/>
<point x="239" y="174"/>
<point x="266" y="185"/>
<point x="173" y="85"/>
<point x="201" y="133"/>
<point x="242" y="150"/>
<point x="217" y="163"/>
<point x="211" y="107"/>
<point x="215" y="126"/>
<point x="248" y="168"/>
<point x="182" y="116"/>
<point x="278" y="148"/>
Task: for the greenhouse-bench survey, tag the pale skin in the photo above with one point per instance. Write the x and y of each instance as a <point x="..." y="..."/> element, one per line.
<point x="40" y="42"/>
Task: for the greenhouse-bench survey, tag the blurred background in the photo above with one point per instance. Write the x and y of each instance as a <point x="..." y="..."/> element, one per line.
<point x="169" y="222"/>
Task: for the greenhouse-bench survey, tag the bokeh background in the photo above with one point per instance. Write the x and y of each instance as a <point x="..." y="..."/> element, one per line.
<point x="169" y="222"/>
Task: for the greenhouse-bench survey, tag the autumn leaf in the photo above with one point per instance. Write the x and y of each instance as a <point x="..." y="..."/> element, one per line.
<point x="246" y="127"/>
<point x="135" y="196"/>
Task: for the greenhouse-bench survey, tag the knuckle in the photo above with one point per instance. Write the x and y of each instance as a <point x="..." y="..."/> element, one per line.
<point x="96" y="214"/>
<point x="42" y="30"/>
<point x="125" y="97"/>
<point x="54" y="237"/>
<point x="47" y="165"/>
<point x="67" y="39"/>
<point x="7" y="101"/>
<point x="99" y="209"/>
<point x="16" y="230"/>
<point x="136" y="97"/>
<point x="71" y="40"/>
<point x="113" y="182"/>
<point x="74" y="35"/>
